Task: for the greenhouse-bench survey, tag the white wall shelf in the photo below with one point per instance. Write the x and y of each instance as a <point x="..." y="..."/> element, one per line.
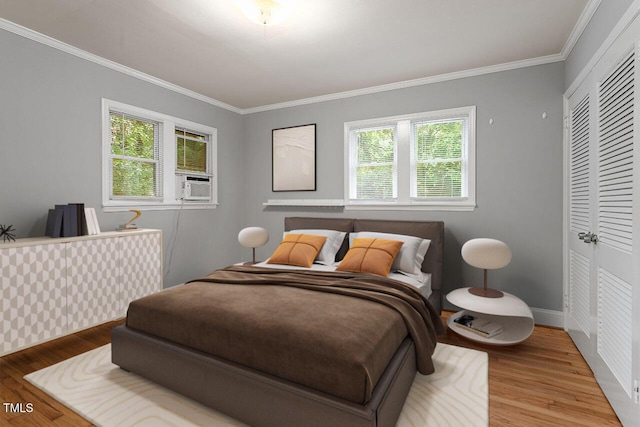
<point x="327" y="203"/>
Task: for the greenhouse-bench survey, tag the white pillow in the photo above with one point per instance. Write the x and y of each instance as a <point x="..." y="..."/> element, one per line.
<point x="411" y="255"/>
<point x="327" y="254"/>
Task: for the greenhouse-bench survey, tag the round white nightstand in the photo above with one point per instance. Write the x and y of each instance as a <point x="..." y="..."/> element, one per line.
<point x="509" y="311"/>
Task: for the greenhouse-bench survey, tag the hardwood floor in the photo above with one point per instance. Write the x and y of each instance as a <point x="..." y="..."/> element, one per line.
<point x="541" y="382"/>
<point x="46" y="410"/>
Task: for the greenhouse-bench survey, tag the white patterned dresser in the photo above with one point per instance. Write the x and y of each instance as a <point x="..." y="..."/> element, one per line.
<point x="53" y="287"/>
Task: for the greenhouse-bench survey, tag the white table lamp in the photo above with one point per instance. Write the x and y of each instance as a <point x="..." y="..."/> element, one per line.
<point x="253" y="237"/>
<point x="488" y="254"/>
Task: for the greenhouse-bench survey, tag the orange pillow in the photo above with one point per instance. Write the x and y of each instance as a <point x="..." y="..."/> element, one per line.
<point x="297" y="249"/>
<point x="371" y="256"/>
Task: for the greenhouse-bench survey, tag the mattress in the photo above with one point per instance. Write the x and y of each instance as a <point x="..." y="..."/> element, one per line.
<point x="329" y="338"/>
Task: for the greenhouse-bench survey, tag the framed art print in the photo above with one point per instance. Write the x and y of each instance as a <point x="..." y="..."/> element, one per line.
<point x="294" y="158"/>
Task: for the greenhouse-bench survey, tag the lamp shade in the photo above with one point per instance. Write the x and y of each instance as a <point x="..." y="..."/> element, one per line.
<point x="252" y="237"/>
<point x="488" y="254"/>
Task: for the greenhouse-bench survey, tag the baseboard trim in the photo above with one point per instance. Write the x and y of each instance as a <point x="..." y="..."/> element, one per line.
<point x="545" y="317"/>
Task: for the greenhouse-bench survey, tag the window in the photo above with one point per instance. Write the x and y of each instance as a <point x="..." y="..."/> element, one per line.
<point x="439" y="158"/>
<point x="375" y="164"/>
<point x="192" y="151"/>
<point x="421" y="161"/>
<point x="148" y="156"/>
<point x="135" y="167"/>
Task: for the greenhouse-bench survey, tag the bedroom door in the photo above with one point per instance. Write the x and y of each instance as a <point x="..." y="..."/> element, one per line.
<point x="602" y="294"/>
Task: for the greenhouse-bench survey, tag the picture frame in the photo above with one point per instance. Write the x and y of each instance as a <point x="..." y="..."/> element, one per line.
<point x="294" y="158"/>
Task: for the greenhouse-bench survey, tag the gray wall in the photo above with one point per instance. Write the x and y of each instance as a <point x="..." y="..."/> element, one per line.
<point x="519" y="172"/>
<point x="50" y="136"/>
<point x="50" y="141"/>
<point x="604" y="19"/>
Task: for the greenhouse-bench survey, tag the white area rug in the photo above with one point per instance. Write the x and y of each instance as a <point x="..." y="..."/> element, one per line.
<point x="457" y="394"/>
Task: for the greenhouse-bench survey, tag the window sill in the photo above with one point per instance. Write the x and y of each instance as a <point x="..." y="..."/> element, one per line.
<point x="125" y="207"/>
<point x="458" y="207"/>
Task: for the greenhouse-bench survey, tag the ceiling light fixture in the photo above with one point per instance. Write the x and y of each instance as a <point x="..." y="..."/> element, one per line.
<point x="266" y="12"/>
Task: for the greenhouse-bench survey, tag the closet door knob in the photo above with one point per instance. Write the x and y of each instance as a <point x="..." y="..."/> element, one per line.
<point x="588" y="237"/>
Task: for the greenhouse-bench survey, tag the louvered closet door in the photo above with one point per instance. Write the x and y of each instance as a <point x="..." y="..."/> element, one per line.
<point x="602" y="295"/>
<point x="578" y="297"/>
<point x="615" y="254"/>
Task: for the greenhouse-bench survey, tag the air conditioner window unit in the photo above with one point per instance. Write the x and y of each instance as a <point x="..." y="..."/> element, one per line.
<point x="193" y="187"/>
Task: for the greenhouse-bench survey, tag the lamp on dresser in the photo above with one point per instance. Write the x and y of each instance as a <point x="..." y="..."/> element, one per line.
<point x="488" y="254"/>
<point x="253" y="237"/>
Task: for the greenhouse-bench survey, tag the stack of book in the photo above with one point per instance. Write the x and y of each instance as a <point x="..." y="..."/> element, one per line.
<point x="479" y="325"/>
<point x="72" y="220"/>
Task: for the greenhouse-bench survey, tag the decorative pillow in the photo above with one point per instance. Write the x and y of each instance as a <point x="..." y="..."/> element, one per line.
<point x="297" y="249"/>
<point x="327" y="254"/>
<point x="370" y="256"/>
<point x="409" y="260"/>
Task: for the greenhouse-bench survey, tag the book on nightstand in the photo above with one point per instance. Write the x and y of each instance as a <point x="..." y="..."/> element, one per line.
<point x="479" y="325"/>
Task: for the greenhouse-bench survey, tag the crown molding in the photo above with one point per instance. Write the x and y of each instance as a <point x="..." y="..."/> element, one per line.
<point x="629" y="16"/>
<point x="410" y="83"/>
<point x="64" y="47"/>
<point x="578" y="29"/>
<point x="581" y="25"/>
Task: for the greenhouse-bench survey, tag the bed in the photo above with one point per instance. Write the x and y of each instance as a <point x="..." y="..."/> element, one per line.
<point x="193" y="339"/>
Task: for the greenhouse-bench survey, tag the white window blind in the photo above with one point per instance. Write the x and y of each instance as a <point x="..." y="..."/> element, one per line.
<point x="135" y="166"/>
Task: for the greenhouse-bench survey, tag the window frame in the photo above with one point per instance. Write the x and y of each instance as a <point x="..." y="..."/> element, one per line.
<point x="167" y="148"/>
<point x="406" y="163"/>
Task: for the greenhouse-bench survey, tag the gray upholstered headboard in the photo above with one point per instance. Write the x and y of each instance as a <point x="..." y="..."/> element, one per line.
<point x="432" y="230"/>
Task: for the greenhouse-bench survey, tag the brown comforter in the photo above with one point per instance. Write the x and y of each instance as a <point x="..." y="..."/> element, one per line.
<point x="297" y="325"/>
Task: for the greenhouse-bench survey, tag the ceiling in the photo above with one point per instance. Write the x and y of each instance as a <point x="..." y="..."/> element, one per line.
<point x="325" y="47"/>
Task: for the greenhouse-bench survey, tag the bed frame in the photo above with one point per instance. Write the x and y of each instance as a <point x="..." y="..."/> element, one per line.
<point x="259" y="399"/>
